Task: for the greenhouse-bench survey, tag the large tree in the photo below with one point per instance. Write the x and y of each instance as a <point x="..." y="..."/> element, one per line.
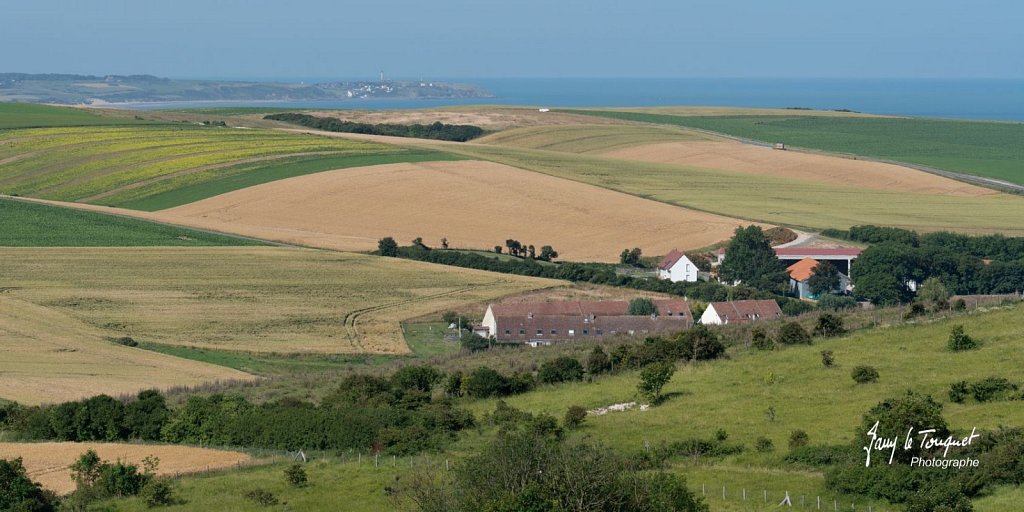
<point x="750" y="259"/>
<point x="825" y="278"/>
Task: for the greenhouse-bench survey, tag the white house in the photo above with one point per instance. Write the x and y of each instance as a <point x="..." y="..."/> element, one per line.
<point x="676" y="267"/>
<point x="740" y="312"/>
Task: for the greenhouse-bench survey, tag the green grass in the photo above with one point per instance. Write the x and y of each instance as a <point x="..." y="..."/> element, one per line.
<point x="29" y="115"/>
<point x="426" y="339"/>
<point x="129" y="165"/>
<point x="987" y="149"/>
<point x="247" y="175"/>
<point x="24" y="224"/>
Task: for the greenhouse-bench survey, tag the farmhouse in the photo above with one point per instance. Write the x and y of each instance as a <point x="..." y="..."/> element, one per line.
<point x="740" y="312"/>
<point x="676" y="267"/>
<point x="800" y="273"/>
<point x="542" y="322"/>
<point x="841" y="257"/>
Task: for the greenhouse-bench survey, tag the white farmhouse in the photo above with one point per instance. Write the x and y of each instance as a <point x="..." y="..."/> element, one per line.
<point x="676" y="267"/>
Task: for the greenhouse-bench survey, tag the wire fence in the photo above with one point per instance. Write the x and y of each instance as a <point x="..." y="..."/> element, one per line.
<point x="765" y="499"/>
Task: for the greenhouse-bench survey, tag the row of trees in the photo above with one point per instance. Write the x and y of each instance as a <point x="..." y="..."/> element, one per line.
<point x="517" y="248"/>
<point x="438" y="130"/>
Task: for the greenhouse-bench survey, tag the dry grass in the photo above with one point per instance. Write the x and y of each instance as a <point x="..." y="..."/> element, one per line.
<point x="47" y="463"/>
<point x="486" y="117"/>
<point x="833" y="170"/>
<point x="50" y="356"/>
<point x="473" y="204"/>
<point x="264" y="300"/>
<point x="588" y="138"/>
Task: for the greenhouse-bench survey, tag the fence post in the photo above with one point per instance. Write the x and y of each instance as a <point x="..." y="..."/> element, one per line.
<point x="394" y="461"/>
<point x="703" y="492"/>
<point x="723" y="492"/>
<point x="744" y="494"/>
<point x="766" y="495"/>
<point x="376" y="458"/>
<point x="446" y="468"/>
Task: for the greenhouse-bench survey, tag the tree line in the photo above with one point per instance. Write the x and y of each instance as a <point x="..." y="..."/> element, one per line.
<point x="437" y="130"/>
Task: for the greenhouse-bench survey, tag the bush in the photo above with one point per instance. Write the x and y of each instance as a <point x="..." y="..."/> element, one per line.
<point x="958" y="392"/>
<point x="992" y="389"/>
<point x="829" y="325"/>
<point x="296" y="475"/>
<point x="598" y="362"/>
<point x="262" y="497"/>
<point x="832" y="302"/>
<point x="792" y="333"/>
<point x="764" y="445"/>
<point x="158" y="493"/>
<point x="960" y="341"/>
<point x="642" y="306"/>
<point x="795" y="307"/>
<point x="574" y="416"/>
<point x="864" y="374"/>
<point x="561" y="369"/>
<point x="759" y="339"/>
<point x="127" y="341"/>
<point x="798" y="439"/>
<point x="653" y="378"/>
<point x="450" y="317"/>
<point x="827" y="359"/>
<point x="18" y="492"/>
<point x="916" y="309"/>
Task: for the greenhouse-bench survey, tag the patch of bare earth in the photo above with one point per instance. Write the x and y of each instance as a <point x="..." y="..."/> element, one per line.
<point x="47" y="463"/>
<point x="747" y="158"/>
<point x="473" y="204"/>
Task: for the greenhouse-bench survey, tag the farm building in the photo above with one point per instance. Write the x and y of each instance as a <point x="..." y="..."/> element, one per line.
<point x="801" y="272"/>
<point x="841" y="257"/>
<point x="542" y="322"/>
<point x="676" y="267"/>
<point x="740" y="312"/>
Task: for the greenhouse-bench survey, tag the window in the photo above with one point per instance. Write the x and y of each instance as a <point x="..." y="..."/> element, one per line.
<point x="586" y="332"/>
<point x="522" y="332"/>
<point x="540" y="332"/>
<point x="508" y="332"/>
<point x="598" y="331"/>
<point x="554" y="331"/>
<point x="572" y="332"/>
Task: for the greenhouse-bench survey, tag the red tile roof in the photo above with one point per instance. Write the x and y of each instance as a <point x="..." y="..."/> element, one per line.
<point x="746" y="311"/>
<point x="670" y="259"/>
<point x="803" y="269"/>
<point x="581" y="309"/>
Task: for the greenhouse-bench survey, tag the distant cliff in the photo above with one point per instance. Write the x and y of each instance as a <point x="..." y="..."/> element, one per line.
<point x="86" y="89"/>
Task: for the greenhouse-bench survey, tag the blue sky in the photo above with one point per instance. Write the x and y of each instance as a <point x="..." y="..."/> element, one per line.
<point x="522" y="38"/>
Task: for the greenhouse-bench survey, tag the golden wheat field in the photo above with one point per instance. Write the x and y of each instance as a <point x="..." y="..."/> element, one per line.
<point x="588" y="138"/>
<point x="263" y="299"/>
<point x="47" y="463"/>
<point x="471" y="203"/>
<point x="50" y="356"/>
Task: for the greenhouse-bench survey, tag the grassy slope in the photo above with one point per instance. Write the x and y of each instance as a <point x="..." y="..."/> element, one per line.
<point x="987" y="149"/>
<point x="28" y="115"/>
<point x="767" y="198"/>
<point x="586" y="138"/>
<point x="25" y="224"/>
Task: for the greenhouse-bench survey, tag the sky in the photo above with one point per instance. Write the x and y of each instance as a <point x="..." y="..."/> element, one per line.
<point x="317" y="39"/>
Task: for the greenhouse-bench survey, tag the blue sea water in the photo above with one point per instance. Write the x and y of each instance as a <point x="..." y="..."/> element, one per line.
<point x="969" y="99"/>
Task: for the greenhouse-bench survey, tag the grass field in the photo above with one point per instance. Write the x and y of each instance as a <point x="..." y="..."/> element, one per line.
<point x="587" y="138"/>
<point x="24" y="224"/>
<point x="259" y="300"/>
<point x="765" y="198"/>
<point x="28" y="115"/>
<point x="118" y="165"/>
<point x="52" y="356"/>
<point x="987" y="149"/>
<point x="47" y="463"/>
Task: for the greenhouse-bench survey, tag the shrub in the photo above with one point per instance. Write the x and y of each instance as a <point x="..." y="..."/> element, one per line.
<point x="959" y="305"/>
<point x="598" y="362"/>
<point x="959" y="340"/>
<point x="759" y="339"/>
<point x="127" y="341"/>
<point x="827" y="359"/>
<point x="158" y="493"/>
<point x="792" y="333"/>
<point x="992" y="389"/>
<point x="560" y="369"/>
<point x="958" y="392"/>
<point x="798" y="439"/>
<point x="574" y="416"/>
<point x="387" y="246"/>
<point x="829" y="325"/>
<point x="916" y="309"/>
<point x="653" y="378"/>
<point x="721" y="435"/>
<point x="763" y="445"/>
<point x="262" y="497"/>
<point x="796" y="307"/>
<point x="864" y="374"/>
<point x="698" y="344"/>
<point x="642" y="306"/>
<point x="450" y="317"/>
<point x="296" y="475"/>
<point x="831" y="302"/>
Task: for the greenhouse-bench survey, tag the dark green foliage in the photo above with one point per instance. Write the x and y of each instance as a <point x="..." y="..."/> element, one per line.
<point x="547" y="253"/>
<point x="896" y="416"/>
<point x="798" y="439"/>
<point x="829" y="325"/>
<point x="653" y="378"/>
<point x="864" y="374"/>
<point x="916" y="309"/>
<point x="992" y="389"/>
<point x="959" y="340"/>
<point x="126" y="341"/>
<point x="764" y="445"/>
<point x="296" y="476"/>
<point x="821" y="456"/>
<point x="750" y="259"/>
<point x="642" y="306"/>
<point x="699" y="344"/>
<point x="825" y="278"/>
<point x="598" y="362"/>
<point x="387" y="246"/>
<point x="19" y="493"/>
<point x="631" y="257"/>
<point x="760" y="340"/>
<point x="827" y="358"/>
<point x="262" y="497"/>
<point x="560" y="369"/>
<point x="451" y="318"/>
<point x="958" y="391"/>
<point x="939" y="500"/>
<point x="144" y="417"/>
<point x="120" y="479"/>
<point x="792" y="333"/>
<point x="473" y="342"/>
<point x="438" y="130"/>
<point x="830" y="302"/>
<point x="574" y="416"/>
<point x="158" y="493"/>
<point x="485" y="382"/>
<point x="794" y="307"/>
<point x="693" y="448"/>
<point x="420" y="378"/>
<point x="39" y="225"/>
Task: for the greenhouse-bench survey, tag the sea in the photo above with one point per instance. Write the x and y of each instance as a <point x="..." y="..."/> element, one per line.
<point x="994" y="99"/>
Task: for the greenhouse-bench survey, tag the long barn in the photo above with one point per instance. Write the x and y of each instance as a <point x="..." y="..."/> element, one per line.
<point x="562" y="321"/>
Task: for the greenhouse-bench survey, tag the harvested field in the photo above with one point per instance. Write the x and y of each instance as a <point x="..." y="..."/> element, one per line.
<point x="47" y="463"/>
<point x="488" y="118"/>
<point x="474" y="204"/>
<point x="747" y="158"/>
<point x="259" y="300"/>
<point x="588" y="138"/>
<point x="51" y="356"/>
